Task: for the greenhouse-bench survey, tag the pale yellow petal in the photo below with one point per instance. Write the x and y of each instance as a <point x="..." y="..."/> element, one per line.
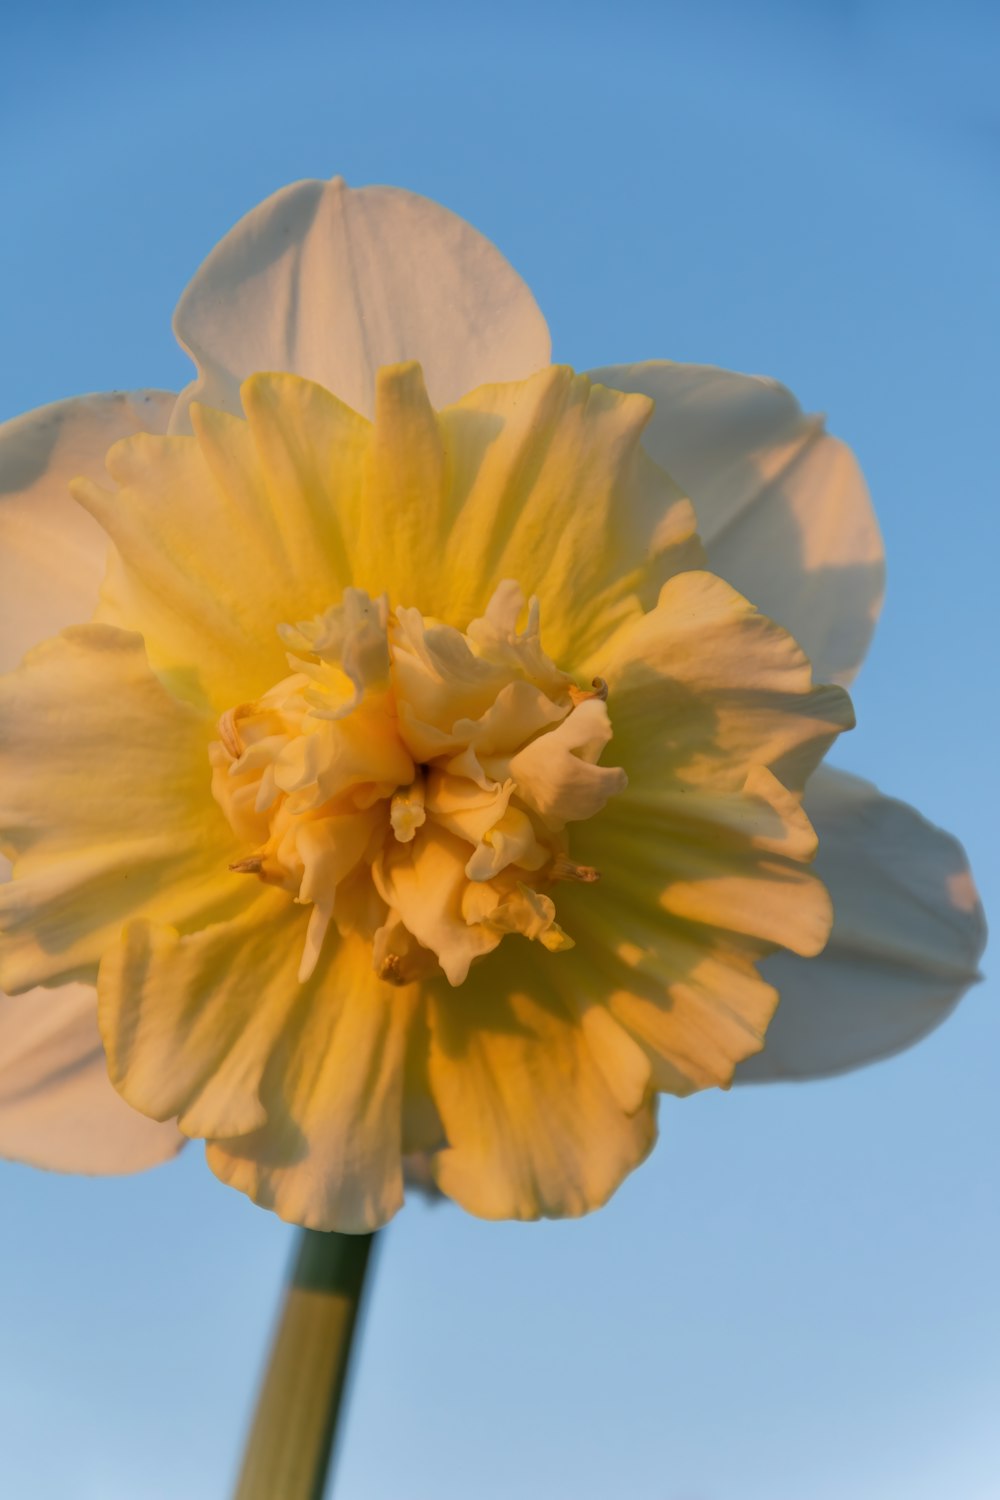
<point x="540" y="487"/>
<point x="105" y="805"/>
<point x="189" y="1022"/>
<point x="52" y="555"/>
<point x="298" y="1087"/>
<point x="907" y="936"/>
<point x="700" y="875"/>
<point x="702" y="859"/>
<point x="404" y="513"/>
<point x="530" y="1098"/>
<point x="541" y="482"/>
<point x="57" y="1108"/>
<point x="782" y="507"/>
<point x="692" y="1000"/>
<point x="330" y="283"/>
<point x="703" y="688"/>
<point x="221" y="537"/>
<point x="330" y="1155"/>
<point x="694" y="888"/>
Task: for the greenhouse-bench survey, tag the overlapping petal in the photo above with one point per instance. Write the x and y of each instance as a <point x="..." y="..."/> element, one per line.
<point x="704" y="858"/>
<point x="782" y="507"/>
<point x="907" y="936"/>
<point x="332" y="283"/>
<point x="58" y="1109"/>
<point x="704" y="687"/>
<point x="104" y="803"/>
<point x="543" y="481"/>
<point x="52" y="555"/>
<point x="298" y="1086"/>
<point x="544" y="1111"/>
<point x="221" y="537"/>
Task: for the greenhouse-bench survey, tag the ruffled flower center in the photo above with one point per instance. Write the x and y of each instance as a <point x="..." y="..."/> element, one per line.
<point x="415" y="783"/>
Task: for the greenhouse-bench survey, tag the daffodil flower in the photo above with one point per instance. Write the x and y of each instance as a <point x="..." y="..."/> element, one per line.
<point x="395" y="778"/>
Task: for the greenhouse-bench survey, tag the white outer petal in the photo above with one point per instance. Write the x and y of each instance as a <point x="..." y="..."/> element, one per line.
<point x="330" y="283"/>
<point x="57" y="1108"/>
<point x="782" y="507"/>
<point x="51" y="552"/>
<point x="908" y="932"/>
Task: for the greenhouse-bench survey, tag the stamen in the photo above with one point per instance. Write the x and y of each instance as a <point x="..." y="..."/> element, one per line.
<point x="391" y="970"/>
<point x="582" y="695"/>
<point x="407" y="812"/>
<point x="319" y="921"/>
<point x="252" y="865"/>
<point x="229" y="734"/>
<point x="564" y="868"/>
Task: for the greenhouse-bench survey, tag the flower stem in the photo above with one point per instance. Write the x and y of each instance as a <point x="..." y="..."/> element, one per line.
<point x="288" y="1451"/>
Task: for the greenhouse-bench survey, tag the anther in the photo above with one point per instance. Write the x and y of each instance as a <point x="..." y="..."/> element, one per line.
<point x="252" y="865"/>
<point x="599" y="689"/>
<point x="229" y="734"/>
<point x="567" y="869"/>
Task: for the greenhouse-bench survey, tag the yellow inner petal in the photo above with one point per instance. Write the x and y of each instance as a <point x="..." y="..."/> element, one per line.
<point x="339" y="733"/>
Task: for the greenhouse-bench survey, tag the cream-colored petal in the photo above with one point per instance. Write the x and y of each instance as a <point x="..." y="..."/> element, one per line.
<point x="222" y="537"/>
<point x="531" y="1097"/>
<point x="105" y="806"/>
<point x="331" y="283"/>
<point x="298" y="1087"/>
<point x="424" y="881"/>
<point x="52" y="554"/>
<point x="556" y="774"/>
<point x="498" y="637"/>
<point x="439" y="680"/>
<point x="782" y="507"/>
<point x="464" y="808"/>
<point x="703" y="688"/>
<point x="907" y="935"/>
<point x="57" y="1107"/>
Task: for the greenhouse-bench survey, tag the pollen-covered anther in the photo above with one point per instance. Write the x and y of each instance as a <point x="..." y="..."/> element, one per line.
<point x="597" y="689"/>
<point x="391" y="970"/>
<point x="415" y="782"/>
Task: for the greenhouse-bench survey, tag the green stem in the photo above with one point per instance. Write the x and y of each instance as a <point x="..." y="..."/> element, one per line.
<point x="288" y="1452"/>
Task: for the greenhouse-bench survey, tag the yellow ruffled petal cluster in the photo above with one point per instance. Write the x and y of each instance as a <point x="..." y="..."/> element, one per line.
<point x="299" y="794"/>
<point x="414" y="783"/>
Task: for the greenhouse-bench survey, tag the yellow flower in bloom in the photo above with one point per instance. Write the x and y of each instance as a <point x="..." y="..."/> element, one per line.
<point x="395" y="777"/>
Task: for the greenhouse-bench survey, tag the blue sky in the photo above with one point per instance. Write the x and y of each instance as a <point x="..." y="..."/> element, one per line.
<point x="795" y="1299"/>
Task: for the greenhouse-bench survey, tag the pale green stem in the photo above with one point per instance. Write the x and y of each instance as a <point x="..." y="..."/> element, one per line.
<point x="288" y="1451"/>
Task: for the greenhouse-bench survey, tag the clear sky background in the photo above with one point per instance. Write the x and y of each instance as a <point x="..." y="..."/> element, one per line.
<point x="796" y="1299"/>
